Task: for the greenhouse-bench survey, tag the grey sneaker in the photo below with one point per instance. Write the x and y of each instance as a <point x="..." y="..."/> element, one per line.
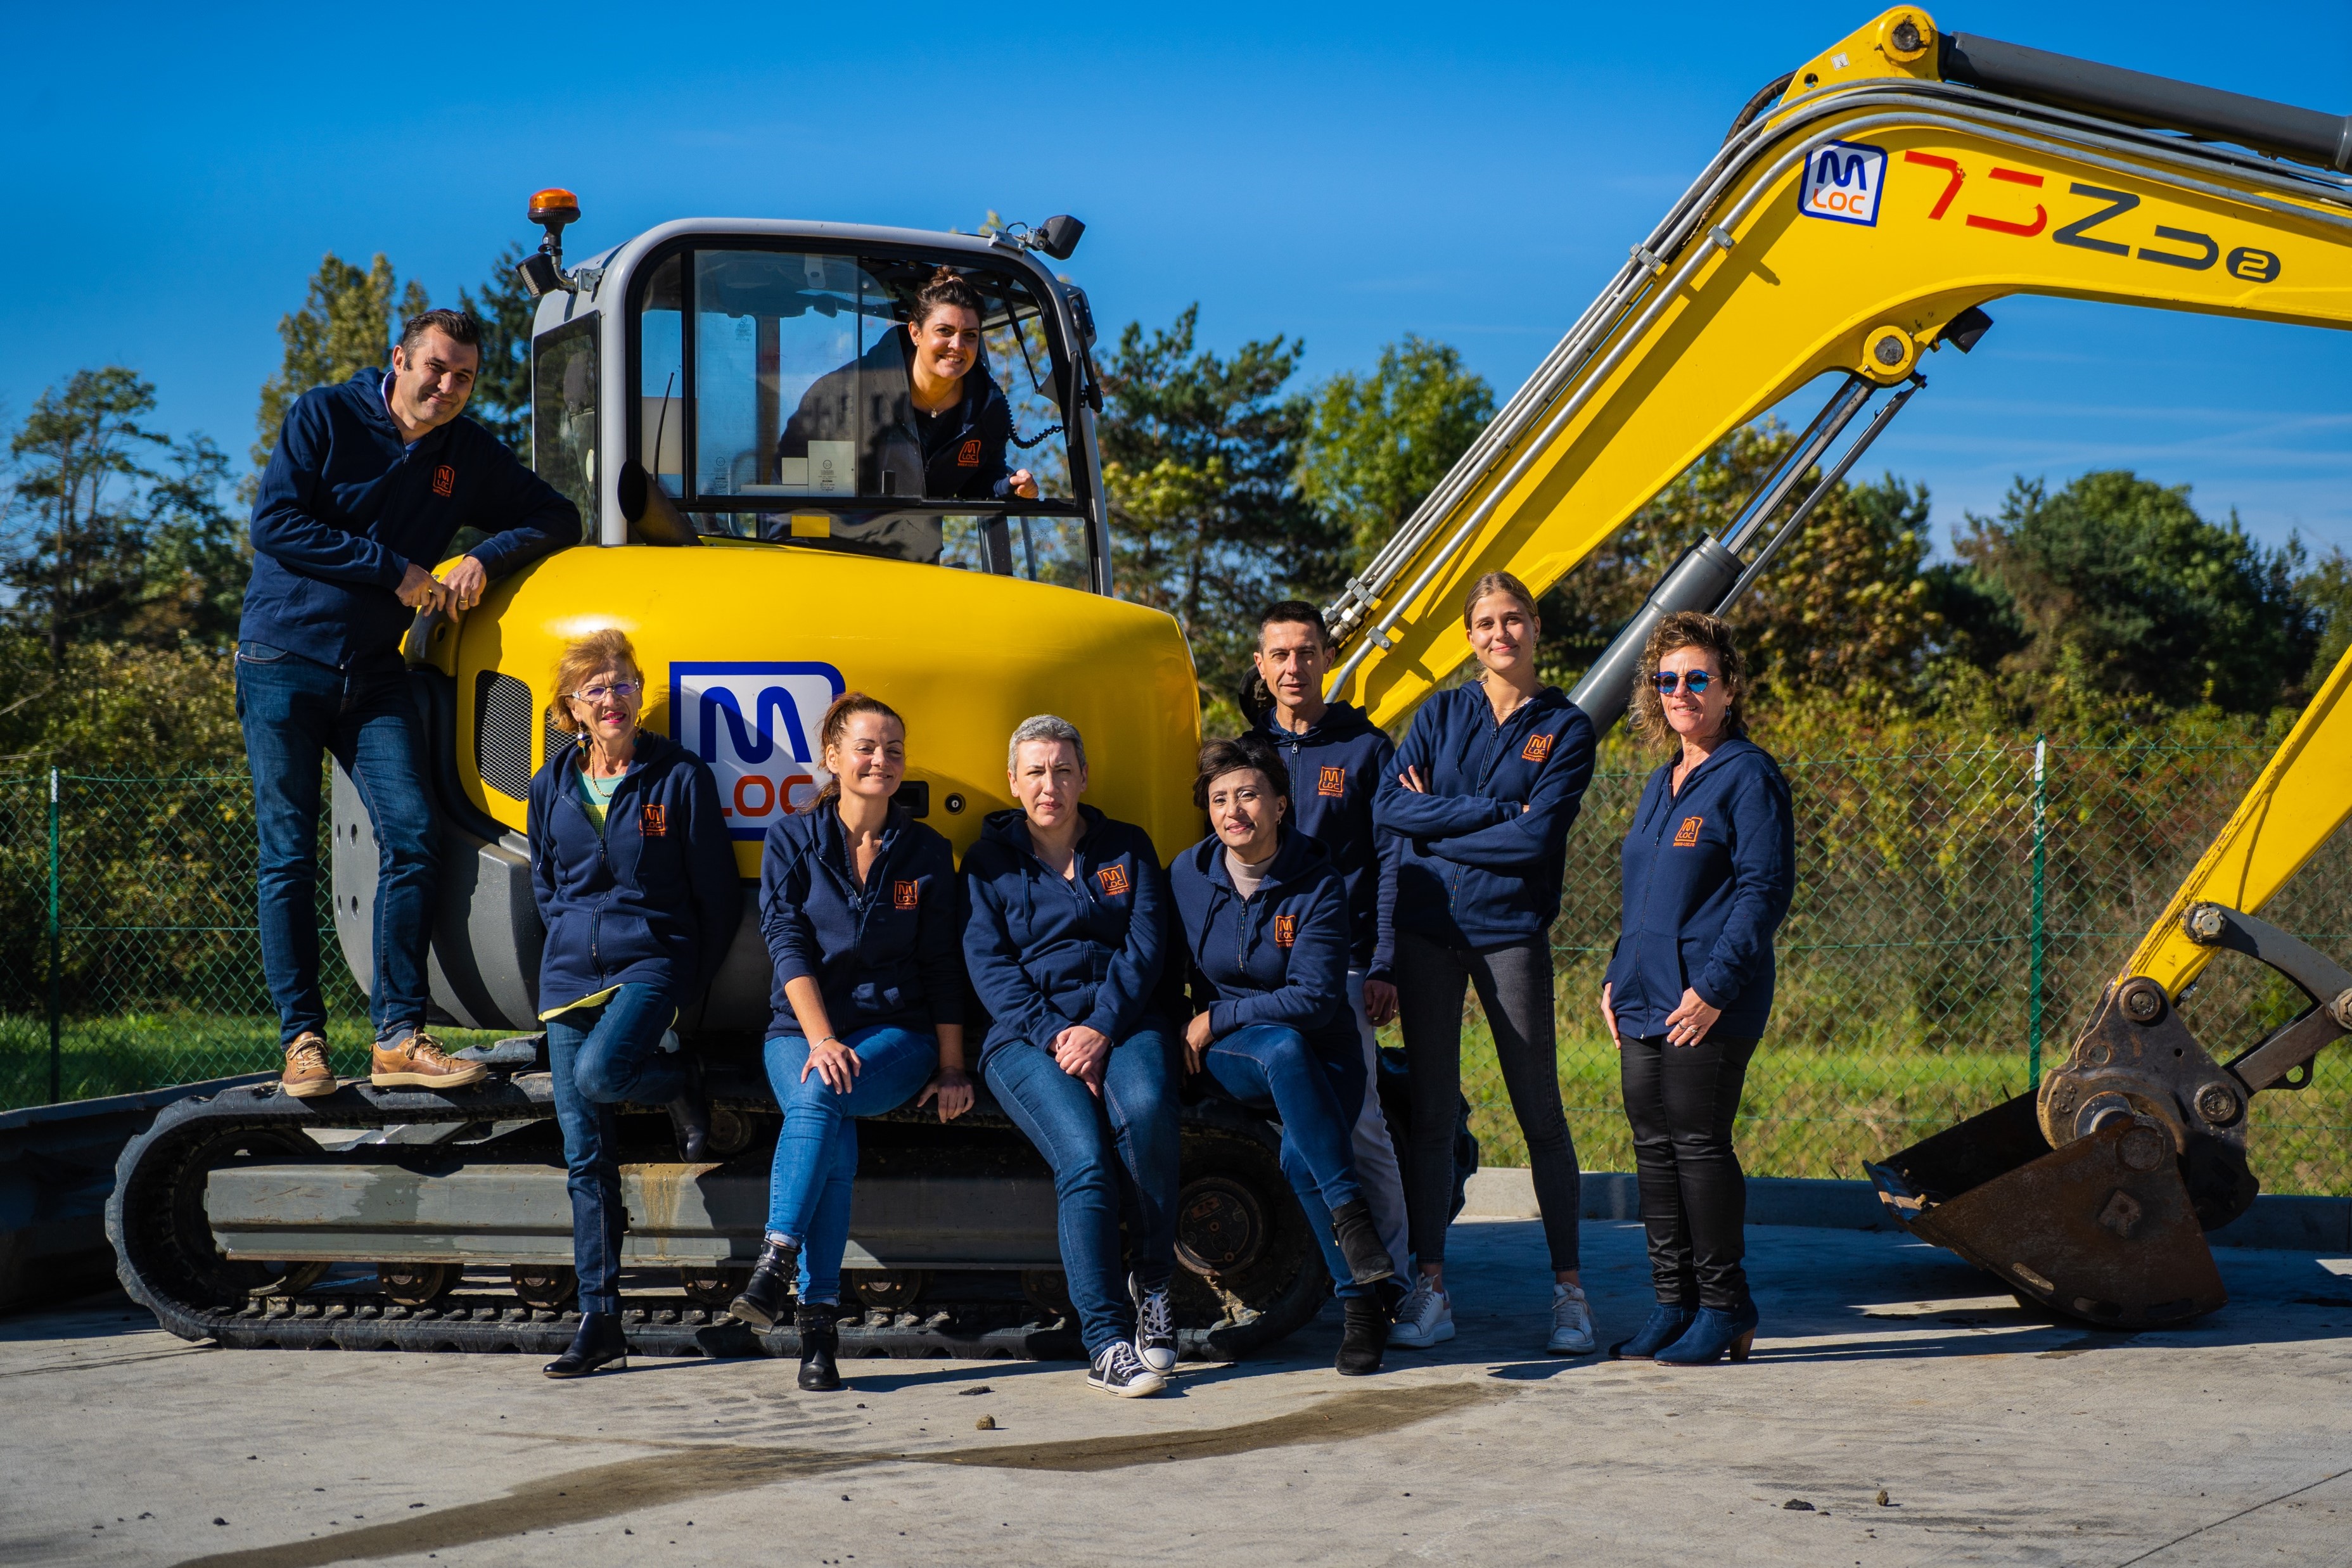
<point x="1571" y="1321"/>
<point x="1155" y="1326"/>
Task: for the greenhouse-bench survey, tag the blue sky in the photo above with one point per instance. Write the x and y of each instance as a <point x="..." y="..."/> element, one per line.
<point x="1345" y="174"/>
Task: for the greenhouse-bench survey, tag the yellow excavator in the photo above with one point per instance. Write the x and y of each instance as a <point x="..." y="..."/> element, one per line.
<point x="1861" y="213"/>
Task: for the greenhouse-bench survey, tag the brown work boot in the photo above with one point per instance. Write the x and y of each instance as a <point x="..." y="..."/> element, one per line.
<point x="308" y="1074"/>
<point x="419" y="1062"/>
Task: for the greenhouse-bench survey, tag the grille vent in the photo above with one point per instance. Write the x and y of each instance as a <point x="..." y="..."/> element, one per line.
<point x="502" y="721"/>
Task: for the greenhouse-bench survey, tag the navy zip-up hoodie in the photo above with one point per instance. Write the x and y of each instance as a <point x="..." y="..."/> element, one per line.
<point x="1483" y="850"/>
<point x="1708" y="873"/>
<point x="969" y="465"/>
<point x="344" y="507"/>
<point x="1337" y="769"/>
<point x="653" y="899"/>
<point x="884" y="955"/>
<point x="1280" y="956"/>
<point x="1046" y="952"/>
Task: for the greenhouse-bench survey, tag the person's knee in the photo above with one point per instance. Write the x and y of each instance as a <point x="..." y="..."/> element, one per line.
<point x="597" y="1077"/>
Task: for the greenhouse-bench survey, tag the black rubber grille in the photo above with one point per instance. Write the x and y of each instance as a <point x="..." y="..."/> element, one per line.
<point x="502" y="718"/>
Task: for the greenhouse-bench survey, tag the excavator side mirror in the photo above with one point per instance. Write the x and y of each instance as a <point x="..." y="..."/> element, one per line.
<point x="540" y="275"/>
<point x="1058" y="235"/>
<point x="1963" y="330"/>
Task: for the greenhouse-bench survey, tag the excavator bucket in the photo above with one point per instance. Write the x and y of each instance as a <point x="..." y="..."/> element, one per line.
<point x="2102" y="1230"/>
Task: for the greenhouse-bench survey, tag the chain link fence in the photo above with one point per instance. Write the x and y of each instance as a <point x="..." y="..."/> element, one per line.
<point x="1953" y="923"/>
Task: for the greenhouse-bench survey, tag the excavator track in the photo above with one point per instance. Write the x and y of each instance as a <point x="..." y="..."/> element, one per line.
<point x="1237" y="1209"/>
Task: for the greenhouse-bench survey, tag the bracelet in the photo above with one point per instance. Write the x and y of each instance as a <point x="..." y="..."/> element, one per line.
<point x="833" y="1040"/>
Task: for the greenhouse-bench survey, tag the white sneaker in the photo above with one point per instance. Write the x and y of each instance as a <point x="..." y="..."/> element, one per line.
<point x="1120" y="1371"/>
<point x="1155" y="1326"/>
<point x="1571" y="1321"/>
<point x="1424" y="1318"/>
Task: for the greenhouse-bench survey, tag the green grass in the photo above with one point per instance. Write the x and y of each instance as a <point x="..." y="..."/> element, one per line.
<point x="127" y="1052"/>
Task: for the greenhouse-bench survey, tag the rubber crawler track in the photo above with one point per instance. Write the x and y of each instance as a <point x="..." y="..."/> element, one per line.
<point x="168" y="1263"/>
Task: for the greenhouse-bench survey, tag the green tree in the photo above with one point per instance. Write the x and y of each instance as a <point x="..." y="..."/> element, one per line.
<point x="2119" y="584"/>
<point x="1201" y="458"/>
<point x="78" y="570"/>
<point x="1381" y="443"/>
<point x="502" y="400"/>
<point x="2328" y="589"/>
<point x="347" y="321"/>
<point x="197" y="555"/>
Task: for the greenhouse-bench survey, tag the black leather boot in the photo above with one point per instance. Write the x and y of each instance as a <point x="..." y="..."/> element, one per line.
<point x="600" y="1341"/>
<point x="1359" y="1242"/>
<point x="774" y="1277"/>
<point x="820" y="1347"/>
<point x="689" y="1114"/>
<point x="1363" y="1337"/>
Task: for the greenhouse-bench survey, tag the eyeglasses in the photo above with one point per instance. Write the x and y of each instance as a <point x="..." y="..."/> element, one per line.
<point x="623" y="690"/>
<point x="1694" y="682"/>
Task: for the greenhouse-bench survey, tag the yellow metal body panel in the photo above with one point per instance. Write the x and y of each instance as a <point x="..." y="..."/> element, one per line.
<point x="963" y="655"/>
<point x="1967" y="212"/>
<point x="2302" y="795"/>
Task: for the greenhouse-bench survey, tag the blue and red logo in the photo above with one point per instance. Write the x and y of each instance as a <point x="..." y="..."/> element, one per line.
<point x="756" y="725"/>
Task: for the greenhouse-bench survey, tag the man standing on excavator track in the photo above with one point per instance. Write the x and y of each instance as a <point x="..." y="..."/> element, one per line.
<point x="369" y="482"/>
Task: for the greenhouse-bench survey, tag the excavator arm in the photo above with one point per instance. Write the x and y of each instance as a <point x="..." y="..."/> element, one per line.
<point x="1861" y="215"/>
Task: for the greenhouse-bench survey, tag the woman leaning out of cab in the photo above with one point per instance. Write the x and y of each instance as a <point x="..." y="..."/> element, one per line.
<point x="1064" y="944"/>
<point x="1265" y="922"/>
<point x="1710" y="865"/>
<point x="858" y="905"/>
<point x="634" y="878"/>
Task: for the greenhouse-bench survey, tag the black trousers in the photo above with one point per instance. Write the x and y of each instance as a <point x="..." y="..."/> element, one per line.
<point x="1681" y="1100"/>
<point x="1515" y="988"/>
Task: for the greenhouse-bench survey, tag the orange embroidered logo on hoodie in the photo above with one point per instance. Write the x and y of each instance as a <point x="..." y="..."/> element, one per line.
<point x="444" y="479"/>
<point x="1538" y="747"/>
<point x="1113" y="879"/>
<point x="1333" y="782"/>
<point x="1286" y="930"/>
<point x="903" y="894"/>
<point x="652" y="821"/>
<point x="1687" y="835"/>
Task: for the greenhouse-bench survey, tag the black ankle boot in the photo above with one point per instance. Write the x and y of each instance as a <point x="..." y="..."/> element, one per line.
<point x="599" y="1341"/>
<point x="773" y="1279"/>
<point x="689" y="1114"/>
<point x="1364" y="1338"/>
<point x="1359" y="1242"/>
<point x="820" y="1345"/>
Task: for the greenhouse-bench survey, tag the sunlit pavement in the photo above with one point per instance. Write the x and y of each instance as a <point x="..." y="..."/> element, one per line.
<point x="1883" y="1365"/>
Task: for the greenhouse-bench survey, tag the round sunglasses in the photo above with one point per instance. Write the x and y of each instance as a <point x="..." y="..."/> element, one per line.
<point x="1694" y="682"/>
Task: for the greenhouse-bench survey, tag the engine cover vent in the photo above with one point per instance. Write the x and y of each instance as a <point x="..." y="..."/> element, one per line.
<point x="502" y="725"/>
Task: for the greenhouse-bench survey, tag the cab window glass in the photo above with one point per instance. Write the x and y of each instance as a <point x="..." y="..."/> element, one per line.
<point x="563" y="413"/>
<point x="661" y="377"/>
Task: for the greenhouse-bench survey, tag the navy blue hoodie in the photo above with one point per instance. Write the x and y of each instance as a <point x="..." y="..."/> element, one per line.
<point x="1708" y="873"/>
<point x="872" y="397"/>
<point x="344" y="507"/>
<point x="1485" y="847"/>
<point x="1046" y="952"/>
<point x="1337" y="769"/>
<point x="653" y="899"/>
<point x="1279" y="956"/>
<point x="885" y="955"/>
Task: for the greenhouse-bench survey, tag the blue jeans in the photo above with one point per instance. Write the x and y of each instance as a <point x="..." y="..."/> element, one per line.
<point x="1134" y="1120"/>
<point x="1270" y="1066"/>
<point x="600" y="1057"/>
<point x="816" y="1156"/>
<point x="296" y="712"/>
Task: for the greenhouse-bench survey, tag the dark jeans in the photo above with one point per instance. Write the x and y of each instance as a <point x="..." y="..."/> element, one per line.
<point x="1681" y="1100"/>
<point x="1270" y="1067"/>
<point x="600" y="1057"/>
<point x="295" y="713"/>
<point x="814" y="1173"/>
<point x="1112" y="1155"/>
<point x="1514" y="985"/>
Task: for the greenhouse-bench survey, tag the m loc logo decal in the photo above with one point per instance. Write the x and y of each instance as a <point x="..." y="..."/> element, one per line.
<point x="1113" y="879"/>
<point x="1843" y="181"/>
<point x="1687" y="835"/>
<point x="754" y="724"/>
<point x="905" y="895"/>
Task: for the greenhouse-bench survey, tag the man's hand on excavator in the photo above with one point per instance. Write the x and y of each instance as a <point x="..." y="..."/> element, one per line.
<point x="1688" y="1024"/>
<point x="464" y="585"/>
<point x="420" y="589"/>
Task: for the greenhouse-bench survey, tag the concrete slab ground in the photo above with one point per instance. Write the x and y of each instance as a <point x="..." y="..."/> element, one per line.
<point x="1884" y="1364"/>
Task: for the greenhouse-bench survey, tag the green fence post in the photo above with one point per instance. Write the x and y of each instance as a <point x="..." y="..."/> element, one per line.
<point x="56" y="1090"/>
<point x="2037" y="935"/>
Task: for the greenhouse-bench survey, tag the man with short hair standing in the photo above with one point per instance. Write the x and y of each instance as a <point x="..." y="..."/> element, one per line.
<point x="1337" y="760"/>
<point x="369" y="482"/>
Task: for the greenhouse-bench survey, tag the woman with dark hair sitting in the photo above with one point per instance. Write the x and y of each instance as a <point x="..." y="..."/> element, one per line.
<point x="859" y="906"/>
<point x="1710" y="861"/>
<point x="932" y="423"/>
<point x="1265" y="918"/>
<point x="633" y="874"/>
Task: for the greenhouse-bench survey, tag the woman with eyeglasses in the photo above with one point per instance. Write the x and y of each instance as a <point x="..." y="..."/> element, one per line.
<point x="633" y="874"/>
<point x="1490" y="777"/>
<point x="1709" y="864"/>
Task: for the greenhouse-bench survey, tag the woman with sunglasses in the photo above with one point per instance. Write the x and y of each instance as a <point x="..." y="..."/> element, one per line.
<point x="1709" y="864"/>
<point x="1490" y="777"/>
<point x="633" y="874"/>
